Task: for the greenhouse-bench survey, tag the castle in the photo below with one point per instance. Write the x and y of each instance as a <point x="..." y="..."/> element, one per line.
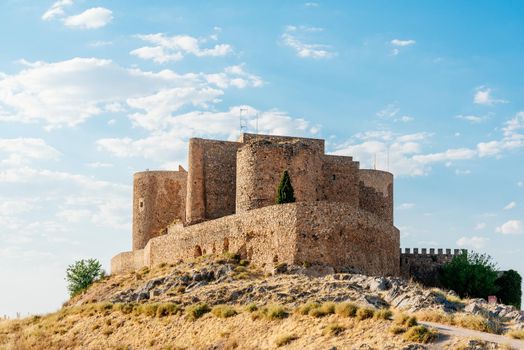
<point x="225" y="202"/>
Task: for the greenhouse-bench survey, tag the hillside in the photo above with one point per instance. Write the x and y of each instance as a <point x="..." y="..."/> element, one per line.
<point x="225" y="304"/>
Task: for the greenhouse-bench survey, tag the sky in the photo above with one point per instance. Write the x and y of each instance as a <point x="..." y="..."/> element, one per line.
<point x="93" y="91"/>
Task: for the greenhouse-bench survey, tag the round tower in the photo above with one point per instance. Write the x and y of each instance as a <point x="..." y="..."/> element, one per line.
<point x="376" y="193"/>
<point x="159" y="199"/>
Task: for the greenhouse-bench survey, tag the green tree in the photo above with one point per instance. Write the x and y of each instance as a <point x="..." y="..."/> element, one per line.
<point x="285" y="193"/>
<point x="470" y="275"/>
<point x="509" y="286"/>
<point x="81" y="274"/>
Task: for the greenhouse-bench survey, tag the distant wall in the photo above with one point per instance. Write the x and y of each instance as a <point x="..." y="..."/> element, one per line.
<point x="159" y="197"/>
<point x="260" y="165"/>
<point x="335" y="234"/>
<point x="423" y="265"/>
<point x="376" y="193"/>
<point x="211" y="180"/>
<point x="128" y="261"/>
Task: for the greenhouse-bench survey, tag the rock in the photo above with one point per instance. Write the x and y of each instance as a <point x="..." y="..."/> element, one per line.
<point x="142" y="296"/>
<point x="414" y="347"/>
<point x="375" y="301"/>
<point x="379" y="284"/>
<point x="153" y="283"/>
<point x="474" y="308"/>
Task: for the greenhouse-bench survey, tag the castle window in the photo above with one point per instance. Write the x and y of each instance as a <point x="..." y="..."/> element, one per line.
<point x="334" y="177"/>
<point x="141" y="203"/>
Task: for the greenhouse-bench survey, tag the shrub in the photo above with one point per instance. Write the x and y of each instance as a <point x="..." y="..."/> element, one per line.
<point x="81" y="274"/>
<point x="333" y="329"/>
<point x="224" y="311"/>
<point x="251" y="307"/>
<point x="420" y="334"/>
<point x="397" y="329"/>
<point x="285" y="339"/>
<point x="470" y="275"/>
<point x="477" y="323"/>
<point x="307" y="307"/>
<point x="285" y="192"/>
<point x="516" y="334"/>
<point x="275" y="312"/>
<point x="509" y="286"/>
<point x="326" y="308"/>
<point x="196" y="311"/>
<point x="167" y="309"/>
<point x="383" y="314"/>
<point x="405" y="320"/>
<point x="148" y="309"/>
<point x="437" y="316"/>
<point x="346" y="309"/>
<point x="365" y="313"/>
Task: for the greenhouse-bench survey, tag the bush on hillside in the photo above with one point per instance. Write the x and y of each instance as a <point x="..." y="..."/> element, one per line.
<point x="471" y="275"/>
<point x="81" y="274"/>
<point x="509" y="286"/>
<point x="285" y="192"/>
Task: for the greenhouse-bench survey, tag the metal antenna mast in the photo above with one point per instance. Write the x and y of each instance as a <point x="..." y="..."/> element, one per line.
<point x="242" y="126"/>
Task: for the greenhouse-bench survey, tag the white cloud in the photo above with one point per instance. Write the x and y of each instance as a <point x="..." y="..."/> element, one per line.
<point x="293" y="38"/>
<point x="510" y="205"/>
<point x="56" y="10"/>
<point x="405" y="206"/>
<point x="169" y="143"/>
<point x="99" y="165"/>
<point x="473" y="119"/>
<point x="480" y="226"/>
<point x="311" y="4"/>
<point x="93" y="18"/>
<point x="402" y="43"/>
<point x="100" y="43"/>
<point x="450" y="154"/>
<point x="475" y="242"/>
<point x="398" y="44"/>
<point x="18" y="151"/>
<point x="511" y="227"/>
<point x="483" y="97"/>
<point x="67" y="93"/>
<point x="520" y="183"/>
<point x="173" y="48"/>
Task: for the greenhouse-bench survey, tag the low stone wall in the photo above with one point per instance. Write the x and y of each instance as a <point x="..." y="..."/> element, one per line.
<point x="423" y="265"/>
<point x="128" y="261"/>
<point x="335" y="234"/>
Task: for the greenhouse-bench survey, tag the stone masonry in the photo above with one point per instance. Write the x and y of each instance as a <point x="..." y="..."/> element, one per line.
<point x="225" y="202"/>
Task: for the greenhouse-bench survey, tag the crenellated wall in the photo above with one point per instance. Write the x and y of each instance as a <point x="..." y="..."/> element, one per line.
<point x="211" y="185"/>
<point x="423" y="265"/>
<point x="159" y="198"/>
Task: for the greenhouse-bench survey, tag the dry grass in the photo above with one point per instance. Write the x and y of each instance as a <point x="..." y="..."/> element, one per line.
<point x="346" y="309"/>
<point x="285" y="339"/>
<point x="196" y="311"/>
<point x="365" y="313"/>
<point x="333" y="329"/>
<point x="474" y="322"/>
<point x="270" y="312"/>
<point x="383" y="314"/>
<point x="224" y="311"/>
<point x="516" y="334"/>
<point x="397" y="329"/>
<point x="420" y="334"/>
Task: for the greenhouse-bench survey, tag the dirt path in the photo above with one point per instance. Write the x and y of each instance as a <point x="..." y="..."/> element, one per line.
<point x="467" y="333"/>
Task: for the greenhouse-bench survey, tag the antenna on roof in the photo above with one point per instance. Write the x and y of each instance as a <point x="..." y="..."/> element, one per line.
<point x="375" y="162"/>
<point x="242" y="124"/>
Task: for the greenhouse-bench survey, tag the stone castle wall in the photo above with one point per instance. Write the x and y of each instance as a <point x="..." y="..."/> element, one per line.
<point x="334" y="234"/>
<point x="424" y="265"/>
<point x="376" y="193"/>
<point x="211" y="186"/>
<point x="339" y="181"/>
<point x="159" y="197"/>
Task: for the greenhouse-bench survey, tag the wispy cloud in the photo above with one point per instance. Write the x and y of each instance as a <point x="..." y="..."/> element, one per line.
<point x="293" y="37"/>
<point x="56" y="10"/>
<point x="510" y="205"/>
<point x="398" y="44"/>
<point x="173" y="48"/>
<point x="475" y="242"/>
<point x="473" y="119"/>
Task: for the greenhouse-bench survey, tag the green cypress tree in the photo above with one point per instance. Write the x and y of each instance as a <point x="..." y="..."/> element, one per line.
<point x="285" y="193"/>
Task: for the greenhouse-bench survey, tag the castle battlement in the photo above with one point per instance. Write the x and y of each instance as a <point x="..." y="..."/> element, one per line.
<point x="432" y="251"/>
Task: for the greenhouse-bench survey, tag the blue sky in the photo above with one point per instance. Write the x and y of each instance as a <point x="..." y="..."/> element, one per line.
<point x="92" y="91"/>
